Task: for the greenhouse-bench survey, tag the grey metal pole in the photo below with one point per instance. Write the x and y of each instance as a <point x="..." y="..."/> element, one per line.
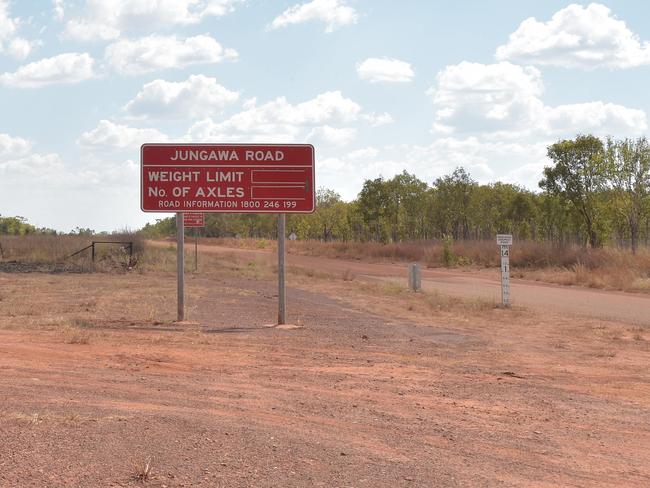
<point x="196" y="249"/>
<point x="180" y="264"/>
<point x="282" y="297"/>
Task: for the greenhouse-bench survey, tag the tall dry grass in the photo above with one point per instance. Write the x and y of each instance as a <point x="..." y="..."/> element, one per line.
<point x="607" y="268"/>
<point x="57" y="250"/>
<point x="524" y="254"/>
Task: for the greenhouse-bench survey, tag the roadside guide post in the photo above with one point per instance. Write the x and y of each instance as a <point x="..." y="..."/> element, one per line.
<point x="282" y="296"/>
<point x="180" y="265"/>
<point x="228" y="178"/>
<point x="505" y="241"/>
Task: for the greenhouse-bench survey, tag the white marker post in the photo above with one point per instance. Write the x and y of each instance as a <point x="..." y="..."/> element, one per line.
<point x="505" y="241"/>
<point x="180" y="265"/>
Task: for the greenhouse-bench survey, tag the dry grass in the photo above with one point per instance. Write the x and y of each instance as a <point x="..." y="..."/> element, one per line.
<point x="36" y="252"/>
<point x="608" y="268"/>
<point x="40" y="248"/>
<point x="524" y="254"/>
<point x="426" y="301"/>
<point x="142" y="469"/>
<point x="76" y="332"/>
<point x="604" y="269"/>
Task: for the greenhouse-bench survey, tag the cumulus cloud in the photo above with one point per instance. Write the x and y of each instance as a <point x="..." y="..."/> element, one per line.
<point x="39" y="167"/>
<point x="504" y="100"/>
<point x="520" y="162"/>
<point x="10" y="43"/>
<point x="62" y="69"/>
<point x="332" y="136"/>
<point x="197" y="97"/>
<point x="134" y="57"/>
<point x="595" y="117"/>
<point x="278" y="120"/>
<point x="8" y="25"/>
<point x="577" y="37"/>
<point x="377" y="120"/>
<point x="110" y="19"/>
<point x="58" y="9"/>
<point x="19" y="48"/>
<point x="335" y="14"/>
<point x="110" y="136"/>
<point x="18" y="162"/>
<point x="385" y="70"/>
<point x="65" y="195"/>
<point x="13" y="146"/>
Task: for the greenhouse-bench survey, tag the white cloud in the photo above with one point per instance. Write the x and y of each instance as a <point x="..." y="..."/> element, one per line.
<point x="197" y="97"/>
<point x="110" y="136"/>
<point x="577" y="37"/>
<point x="39" y="167"/>
<point x="19" y="163"/>
<point x="278" y="120"/>
<point x="58" y="9"/>
<point x="335" y="14"/>
<point x="158" y="52"/>
<point x="332" y="136"/>
<point x="504" y="100"/>
<point x="19" y="48"/>
<point x="8" y="26"/>
<point x="595" y="117"/>
<point x="62" y="69"/>
<point x="377" y="120"/>
<point x="385" y="70"/>
<point x="13" y="147"/>
<point x="110" y="19"/>
<point x="101" y="194"/>
<point x="519" y="162"/>
<point x="10" y="42"/>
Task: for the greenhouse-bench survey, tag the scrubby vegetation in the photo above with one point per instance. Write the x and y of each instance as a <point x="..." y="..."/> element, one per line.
<point x="594" y="193"/>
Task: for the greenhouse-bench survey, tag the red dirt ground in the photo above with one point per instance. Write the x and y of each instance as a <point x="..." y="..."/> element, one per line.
<point x="376" y="388"/>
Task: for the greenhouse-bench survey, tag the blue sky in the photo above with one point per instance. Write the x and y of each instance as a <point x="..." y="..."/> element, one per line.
<point x="377" y="86"/>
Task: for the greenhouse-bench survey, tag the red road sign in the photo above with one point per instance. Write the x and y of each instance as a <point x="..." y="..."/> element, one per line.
<point x="194" y="219"/>
<point x="234" y="178"/>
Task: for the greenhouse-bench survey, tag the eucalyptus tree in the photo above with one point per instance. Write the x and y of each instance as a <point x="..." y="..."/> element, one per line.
<point x="579" y="175"/>
<point x="629" y="169"/>
<point x="452" y="198"/>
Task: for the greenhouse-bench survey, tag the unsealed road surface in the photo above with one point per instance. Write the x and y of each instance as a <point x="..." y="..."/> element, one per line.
<point x="611" y="305"/>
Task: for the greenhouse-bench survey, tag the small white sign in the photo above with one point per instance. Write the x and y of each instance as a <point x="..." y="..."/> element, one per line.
<point x="504" y="239"/>
<point x="293" y="236"/>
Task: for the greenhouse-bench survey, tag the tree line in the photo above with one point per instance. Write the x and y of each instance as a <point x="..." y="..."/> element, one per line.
<point x="16" y="226"/>
<point x="594" y="192"/>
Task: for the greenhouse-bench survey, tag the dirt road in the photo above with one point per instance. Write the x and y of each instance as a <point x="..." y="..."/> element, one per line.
<point x="628" y="307"/>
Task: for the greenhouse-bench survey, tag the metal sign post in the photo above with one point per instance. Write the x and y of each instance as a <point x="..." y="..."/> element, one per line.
<point x="505" y="241"/>
<point x="196" y="249"/>
<point x="194" y="219"/>
<point x="282" y="296"/>
<point x="180" y="265"/>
